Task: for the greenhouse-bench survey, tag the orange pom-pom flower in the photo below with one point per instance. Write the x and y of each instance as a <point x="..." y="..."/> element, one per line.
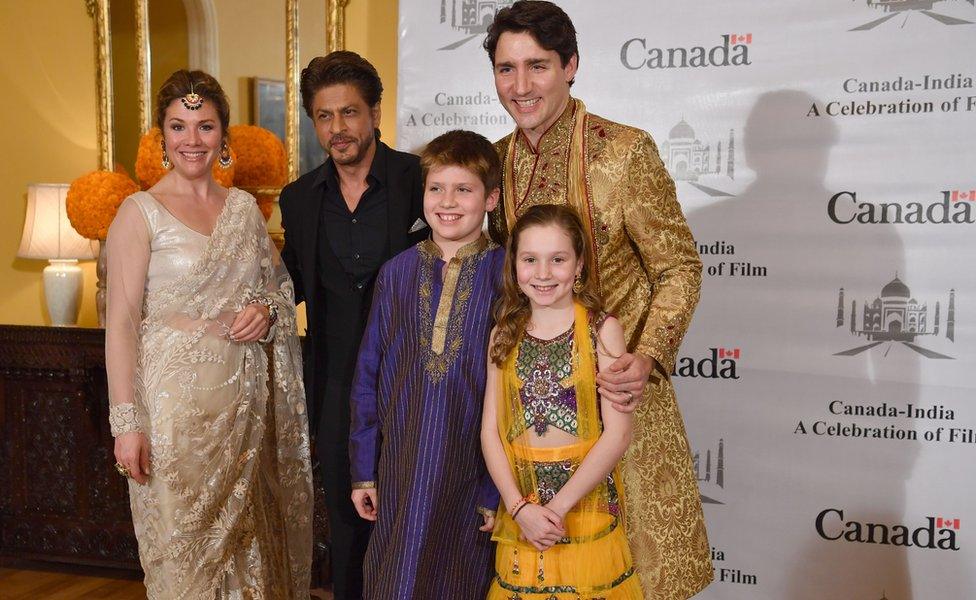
<point x="93" y="200"/>
<point x="261" y="162"/>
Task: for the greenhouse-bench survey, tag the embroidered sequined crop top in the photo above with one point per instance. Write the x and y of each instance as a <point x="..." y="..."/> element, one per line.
<point x="545" y="369"/>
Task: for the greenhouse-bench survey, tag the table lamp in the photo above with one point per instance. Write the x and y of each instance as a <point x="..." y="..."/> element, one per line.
<point x="48" y="235"/>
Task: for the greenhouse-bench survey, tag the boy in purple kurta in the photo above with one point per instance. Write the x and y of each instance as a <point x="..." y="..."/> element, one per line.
<point x="414" y="443"/>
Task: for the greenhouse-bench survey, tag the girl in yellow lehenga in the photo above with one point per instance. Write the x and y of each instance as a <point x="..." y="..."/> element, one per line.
<point x="551" y="445"/>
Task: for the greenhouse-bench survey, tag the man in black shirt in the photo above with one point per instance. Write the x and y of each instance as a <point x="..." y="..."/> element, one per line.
<point x="342" y="221"/>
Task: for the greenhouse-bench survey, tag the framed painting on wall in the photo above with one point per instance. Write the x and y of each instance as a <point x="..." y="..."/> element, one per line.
<point x="268" y="111"/>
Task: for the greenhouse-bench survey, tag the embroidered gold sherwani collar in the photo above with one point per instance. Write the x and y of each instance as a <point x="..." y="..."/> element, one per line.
<point x="539" y="175"/>
<point x="556" y="137"/>
<point x="554" y="173"/>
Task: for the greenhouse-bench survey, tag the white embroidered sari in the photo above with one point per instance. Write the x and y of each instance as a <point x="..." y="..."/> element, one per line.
<point x="227" y="512"/>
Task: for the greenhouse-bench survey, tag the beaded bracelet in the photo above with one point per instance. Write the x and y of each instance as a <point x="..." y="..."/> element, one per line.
<point x="270" y="305"/>
<point x="530" y="499"/>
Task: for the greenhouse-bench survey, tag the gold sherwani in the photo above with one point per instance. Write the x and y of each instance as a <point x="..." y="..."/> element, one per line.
<point x="650" y="276"/>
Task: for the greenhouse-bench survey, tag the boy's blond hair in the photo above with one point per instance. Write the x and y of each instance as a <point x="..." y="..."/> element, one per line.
<point x="465" y="149"/>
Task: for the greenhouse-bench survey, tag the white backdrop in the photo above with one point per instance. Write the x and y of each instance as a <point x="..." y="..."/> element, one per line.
<point x="816" y="146"/>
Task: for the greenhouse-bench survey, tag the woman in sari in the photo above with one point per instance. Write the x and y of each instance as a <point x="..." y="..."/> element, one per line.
<point x="217" y="454"/>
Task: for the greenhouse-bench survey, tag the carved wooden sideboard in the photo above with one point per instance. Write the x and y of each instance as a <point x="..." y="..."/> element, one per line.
<point x="61" y="501"/>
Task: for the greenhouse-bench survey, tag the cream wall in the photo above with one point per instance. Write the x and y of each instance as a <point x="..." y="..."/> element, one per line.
<point x="47" y="116"/>
<point x="371" y="30"/>
<point x="47" y="109"/>
<point x="252" y="44"/>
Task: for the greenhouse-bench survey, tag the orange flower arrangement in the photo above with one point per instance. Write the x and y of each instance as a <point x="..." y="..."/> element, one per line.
<point x="93" y="200"/>
<point x="149" y="162"/>
<point x="261" y="162"/>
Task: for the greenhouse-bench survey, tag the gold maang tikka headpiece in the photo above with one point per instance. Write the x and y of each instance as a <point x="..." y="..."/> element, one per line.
<point x="193" y="100"/>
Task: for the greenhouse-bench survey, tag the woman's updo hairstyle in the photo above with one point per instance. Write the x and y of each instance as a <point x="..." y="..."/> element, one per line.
<point x="184" y="82"/>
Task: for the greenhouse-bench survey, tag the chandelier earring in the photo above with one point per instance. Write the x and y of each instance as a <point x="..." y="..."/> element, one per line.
<point x="578" y="285"/>
<point x="166" y="162"/>
<point x="225" y="159"/>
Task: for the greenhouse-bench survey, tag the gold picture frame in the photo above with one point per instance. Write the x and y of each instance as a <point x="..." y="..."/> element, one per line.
<point x="98" y="11"/>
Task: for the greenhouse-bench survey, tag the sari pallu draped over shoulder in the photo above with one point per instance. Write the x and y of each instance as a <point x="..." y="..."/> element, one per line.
<point x="228" y="509"/>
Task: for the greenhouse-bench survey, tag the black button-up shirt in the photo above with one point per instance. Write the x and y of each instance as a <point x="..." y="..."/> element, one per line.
<point x="352" y="245"/>
<point x="358" y="238"/>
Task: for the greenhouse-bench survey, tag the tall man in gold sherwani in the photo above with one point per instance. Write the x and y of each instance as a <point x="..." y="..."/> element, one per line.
<point x="649" y="271"/>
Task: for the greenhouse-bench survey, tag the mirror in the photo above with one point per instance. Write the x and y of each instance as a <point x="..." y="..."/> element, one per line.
<point x="135" y="81"/>
<point x="256" y="50"/>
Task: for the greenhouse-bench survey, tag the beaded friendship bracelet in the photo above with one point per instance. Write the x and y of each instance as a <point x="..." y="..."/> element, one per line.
<point x="530" y="499"/>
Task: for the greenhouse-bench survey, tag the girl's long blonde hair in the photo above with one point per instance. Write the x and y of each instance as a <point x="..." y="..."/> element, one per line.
<point x="512" y="309"/>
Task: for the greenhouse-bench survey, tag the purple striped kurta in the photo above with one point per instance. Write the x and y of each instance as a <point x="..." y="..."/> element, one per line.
<point x="416" y="420"/>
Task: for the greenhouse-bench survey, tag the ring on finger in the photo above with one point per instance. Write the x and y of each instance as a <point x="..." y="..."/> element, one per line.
<point x="122" y="470"/>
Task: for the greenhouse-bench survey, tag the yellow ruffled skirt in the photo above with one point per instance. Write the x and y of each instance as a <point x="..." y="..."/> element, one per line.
<point x="613" y="579"/>
<point x="592" y="563"/>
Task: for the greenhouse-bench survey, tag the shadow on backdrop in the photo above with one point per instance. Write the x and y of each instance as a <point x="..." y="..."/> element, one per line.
<point x="789" y="316"/>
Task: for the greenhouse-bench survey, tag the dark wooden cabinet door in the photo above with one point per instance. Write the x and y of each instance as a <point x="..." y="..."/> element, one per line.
<point x="61" y="501"/>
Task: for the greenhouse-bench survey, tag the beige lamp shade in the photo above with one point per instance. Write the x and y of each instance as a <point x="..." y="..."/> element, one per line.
<point x="48" y="235"/>
<point x="47" y="232"/>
